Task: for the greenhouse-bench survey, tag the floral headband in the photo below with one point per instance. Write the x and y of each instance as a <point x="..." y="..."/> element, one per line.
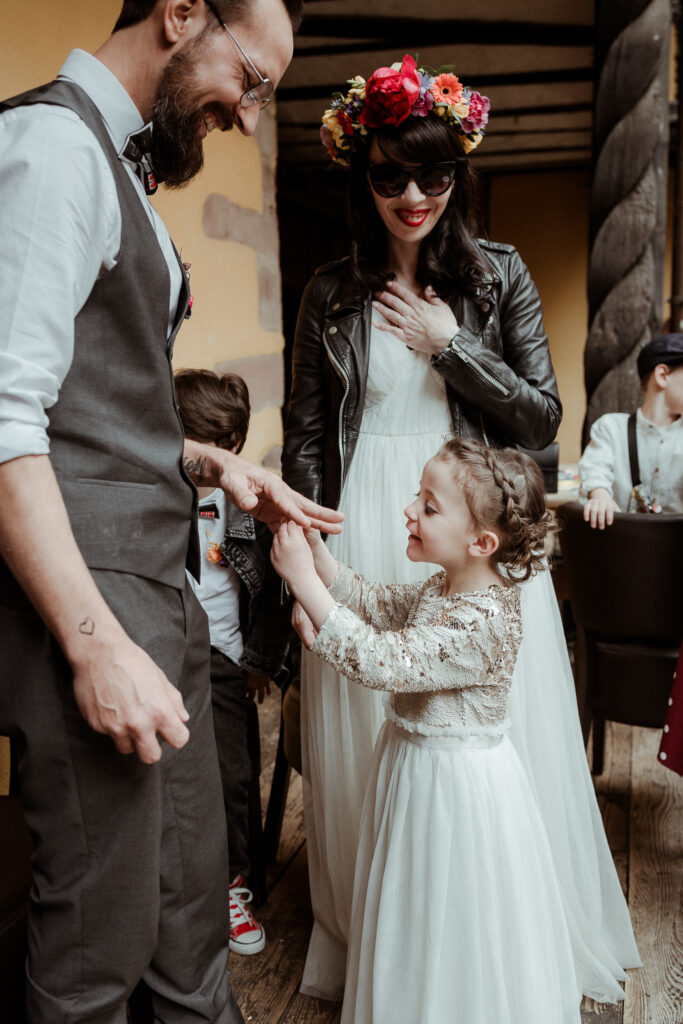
<point x="390" y="95"/>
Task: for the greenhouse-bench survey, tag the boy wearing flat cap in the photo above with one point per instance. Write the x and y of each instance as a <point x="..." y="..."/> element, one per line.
<point x="635" y="463"/>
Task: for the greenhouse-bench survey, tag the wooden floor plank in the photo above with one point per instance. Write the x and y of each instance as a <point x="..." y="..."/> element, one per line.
<point x="613" y="790"/>
<point x="265" y="984"/>
<point x="655" y="993"/>
<point x="601" y="1013"/>
<point x="304" y="1010"/>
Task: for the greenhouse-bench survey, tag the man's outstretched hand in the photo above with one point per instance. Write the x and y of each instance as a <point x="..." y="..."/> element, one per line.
<point x="256" y="490"/>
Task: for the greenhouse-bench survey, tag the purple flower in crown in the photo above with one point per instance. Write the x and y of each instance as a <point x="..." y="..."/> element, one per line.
<point x="425" y="100"/>
<point x="355" y="105"/>
<point x="478" y="114"/>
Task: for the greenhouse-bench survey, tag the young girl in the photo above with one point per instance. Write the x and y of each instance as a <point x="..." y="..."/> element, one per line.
<point x="456" y="915"/>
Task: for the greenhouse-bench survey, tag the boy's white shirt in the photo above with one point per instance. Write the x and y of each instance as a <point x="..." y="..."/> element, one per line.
<point x="219" y="589"/>
<point x="605" y="461"/>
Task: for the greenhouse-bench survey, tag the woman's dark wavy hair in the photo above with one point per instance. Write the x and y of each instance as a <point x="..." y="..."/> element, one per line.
<point x="135" y="11"/>
<point x="449" y="260"/>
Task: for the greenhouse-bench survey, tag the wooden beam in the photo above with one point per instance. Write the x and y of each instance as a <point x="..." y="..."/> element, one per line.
<point x="534" y="111"/>
<point x="386" y="32"/>
<point x="309" y="126"/>
<point x="484" y="81"/>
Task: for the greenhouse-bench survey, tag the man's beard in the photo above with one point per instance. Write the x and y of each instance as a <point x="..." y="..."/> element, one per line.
<point x="177" y="148"/>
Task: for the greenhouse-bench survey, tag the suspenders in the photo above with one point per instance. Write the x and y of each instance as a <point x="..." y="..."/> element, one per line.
<point x="633" y="450"/>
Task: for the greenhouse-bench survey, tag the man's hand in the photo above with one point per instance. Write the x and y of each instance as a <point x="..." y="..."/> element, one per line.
<point x="120" y="691"/>
<point x="600" y="508"/>
<point x="257" y="685"/>
<point x="256" y="490"/>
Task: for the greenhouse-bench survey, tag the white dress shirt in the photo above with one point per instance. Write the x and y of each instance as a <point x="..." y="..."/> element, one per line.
<point x="605" y="461"/>
<point x="60" y="226"/>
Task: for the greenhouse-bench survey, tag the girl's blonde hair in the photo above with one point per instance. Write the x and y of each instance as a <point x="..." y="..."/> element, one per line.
<point x="504" y="493"/>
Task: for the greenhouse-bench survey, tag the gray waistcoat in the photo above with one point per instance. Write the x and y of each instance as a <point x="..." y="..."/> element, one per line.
<point x="115" y="434"/>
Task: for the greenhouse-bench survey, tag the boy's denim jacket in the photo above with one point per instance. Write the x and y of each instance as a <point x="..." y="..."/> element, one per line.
<point x="246" y="547"/>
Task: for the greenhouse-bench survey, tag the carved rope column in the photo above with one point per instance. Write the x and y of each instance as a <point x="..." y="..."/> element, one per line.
<point x="628" y="201"/>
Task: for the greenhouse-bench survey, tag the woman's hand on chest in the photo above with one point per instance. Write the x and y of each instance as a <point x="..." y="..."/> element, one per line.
<point x="423" y="324"/>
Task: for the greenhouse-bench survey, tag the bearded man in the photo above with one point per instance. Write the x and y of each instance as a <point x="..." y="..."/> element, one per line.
<point x="104" y="648"/>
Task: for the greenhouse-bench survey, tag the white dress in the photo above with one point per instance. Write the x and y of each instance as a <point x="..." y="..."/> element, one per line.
<point x="405" y="420"/>
<point x="457" y="916"/>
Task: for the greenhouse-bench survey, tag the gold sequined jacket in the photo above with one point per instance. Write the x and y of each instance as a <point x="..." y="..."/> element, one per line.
<point x="446" y="662"/>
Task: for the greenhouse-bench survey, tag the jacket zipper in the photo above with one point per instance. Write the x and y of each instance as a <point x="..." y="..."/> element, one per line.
<point x="483" y="430"/>
<point x="344" y="377"/>
<point x="480" y="369"/>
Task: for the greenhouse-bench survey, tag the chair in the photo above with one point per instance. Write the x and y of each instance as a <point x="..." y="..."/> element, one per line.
<point x="626" y="591"/>
<point x="288" y="754"/>
<point x="547" y="459"/>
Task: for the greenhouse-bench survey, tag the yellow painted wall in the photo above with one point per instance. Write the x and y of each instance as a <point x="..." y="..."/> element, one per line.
<point x="225" y="322"/>
<point x="545" y="214"/>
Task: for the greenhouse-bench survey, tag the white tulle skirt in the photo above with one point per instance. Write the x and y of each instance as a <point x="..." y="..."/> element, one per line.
<point x="457" y="916"/>
<point x="340" y="723"/>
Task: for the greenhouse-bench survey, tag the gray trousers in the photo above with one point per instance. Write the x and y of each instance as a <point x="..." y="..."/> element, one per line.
<point x="130" y="871"/>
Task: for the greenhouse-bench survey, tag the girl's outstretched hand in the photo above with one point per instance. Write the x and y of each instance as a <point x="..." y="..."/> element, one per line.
<point x="291" y="555"/>
<point x="426" y="325"/>
<point x="293" y="559"/>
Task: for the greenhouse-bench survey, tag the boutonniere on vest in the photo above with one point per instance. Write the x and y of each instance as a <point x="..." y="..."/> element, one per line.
<point x="191" y="302"/>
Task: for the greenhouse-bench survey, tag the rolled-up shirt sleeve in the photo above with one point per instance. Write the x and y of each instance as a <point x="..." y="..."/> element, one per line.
<point x="60" y="228"/>
<point x="598" y="464"/>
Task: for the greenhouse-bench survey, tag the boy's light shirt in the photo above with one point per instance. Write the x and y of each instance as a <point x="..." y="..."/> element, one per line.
<point x="219" y="589"/>
<point x="605" y="462"/>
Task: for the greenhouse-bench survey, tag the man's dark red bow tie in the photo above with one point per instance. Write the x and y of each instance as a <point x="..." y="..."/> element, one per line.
<point x="137" y="148"/>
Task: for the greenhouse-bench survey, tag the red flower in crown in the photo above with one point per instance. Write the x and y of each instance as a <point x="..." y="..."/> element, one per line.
<point x="390" y="95"/>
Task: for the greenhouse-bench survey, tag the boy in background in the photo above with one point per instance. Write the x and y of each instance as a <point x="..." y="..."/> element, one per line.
<point x="248" y="643"/>
<point x="655" y="453"/>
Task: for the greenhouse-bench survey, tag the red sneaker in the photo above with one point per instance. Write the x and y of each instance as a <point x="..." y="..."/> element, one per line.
<point x="246" y="934"/>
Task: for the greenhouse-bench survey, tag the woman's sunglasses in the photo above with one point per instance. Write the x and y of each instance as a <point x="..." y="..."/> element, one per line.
<point x="391" y="180"/>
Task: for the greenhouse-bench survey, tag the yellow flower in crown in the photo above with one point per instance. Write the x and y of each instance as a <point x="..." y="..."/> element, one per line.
<point x="471" y="142"/>
<point x="331" y="122"/>
<point x="357" y="84"/>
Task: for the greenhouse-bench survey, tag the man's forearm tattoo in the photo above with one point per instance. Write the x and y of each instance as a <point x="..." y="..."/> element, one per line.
<point x="87" y="627"/>
<point x="195" y="468"/>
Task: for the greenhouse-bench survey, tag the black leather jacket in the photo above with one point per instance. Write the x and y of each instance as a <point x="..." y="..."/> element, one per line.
<point x="500" y="382"/>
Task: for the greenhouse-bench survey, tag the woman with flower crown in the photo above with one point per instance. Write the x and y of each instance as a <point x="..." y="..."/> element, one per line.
<point x="423" y="332"/>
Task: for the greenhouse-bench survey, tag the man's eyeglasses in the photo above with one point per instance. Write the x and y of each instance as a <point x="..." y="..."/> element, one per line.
<point x="260" y="94"/>
<point x="391" y="180"/>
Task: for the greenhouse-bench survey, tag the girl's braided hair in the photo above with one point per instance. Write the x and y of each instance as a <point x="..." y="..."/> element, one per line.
<point x="504" y="492"/>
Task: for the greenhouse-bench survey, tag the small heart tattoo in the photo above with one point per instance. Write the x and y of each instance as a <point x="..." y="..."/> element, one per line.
<point x="87" y="627"/>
